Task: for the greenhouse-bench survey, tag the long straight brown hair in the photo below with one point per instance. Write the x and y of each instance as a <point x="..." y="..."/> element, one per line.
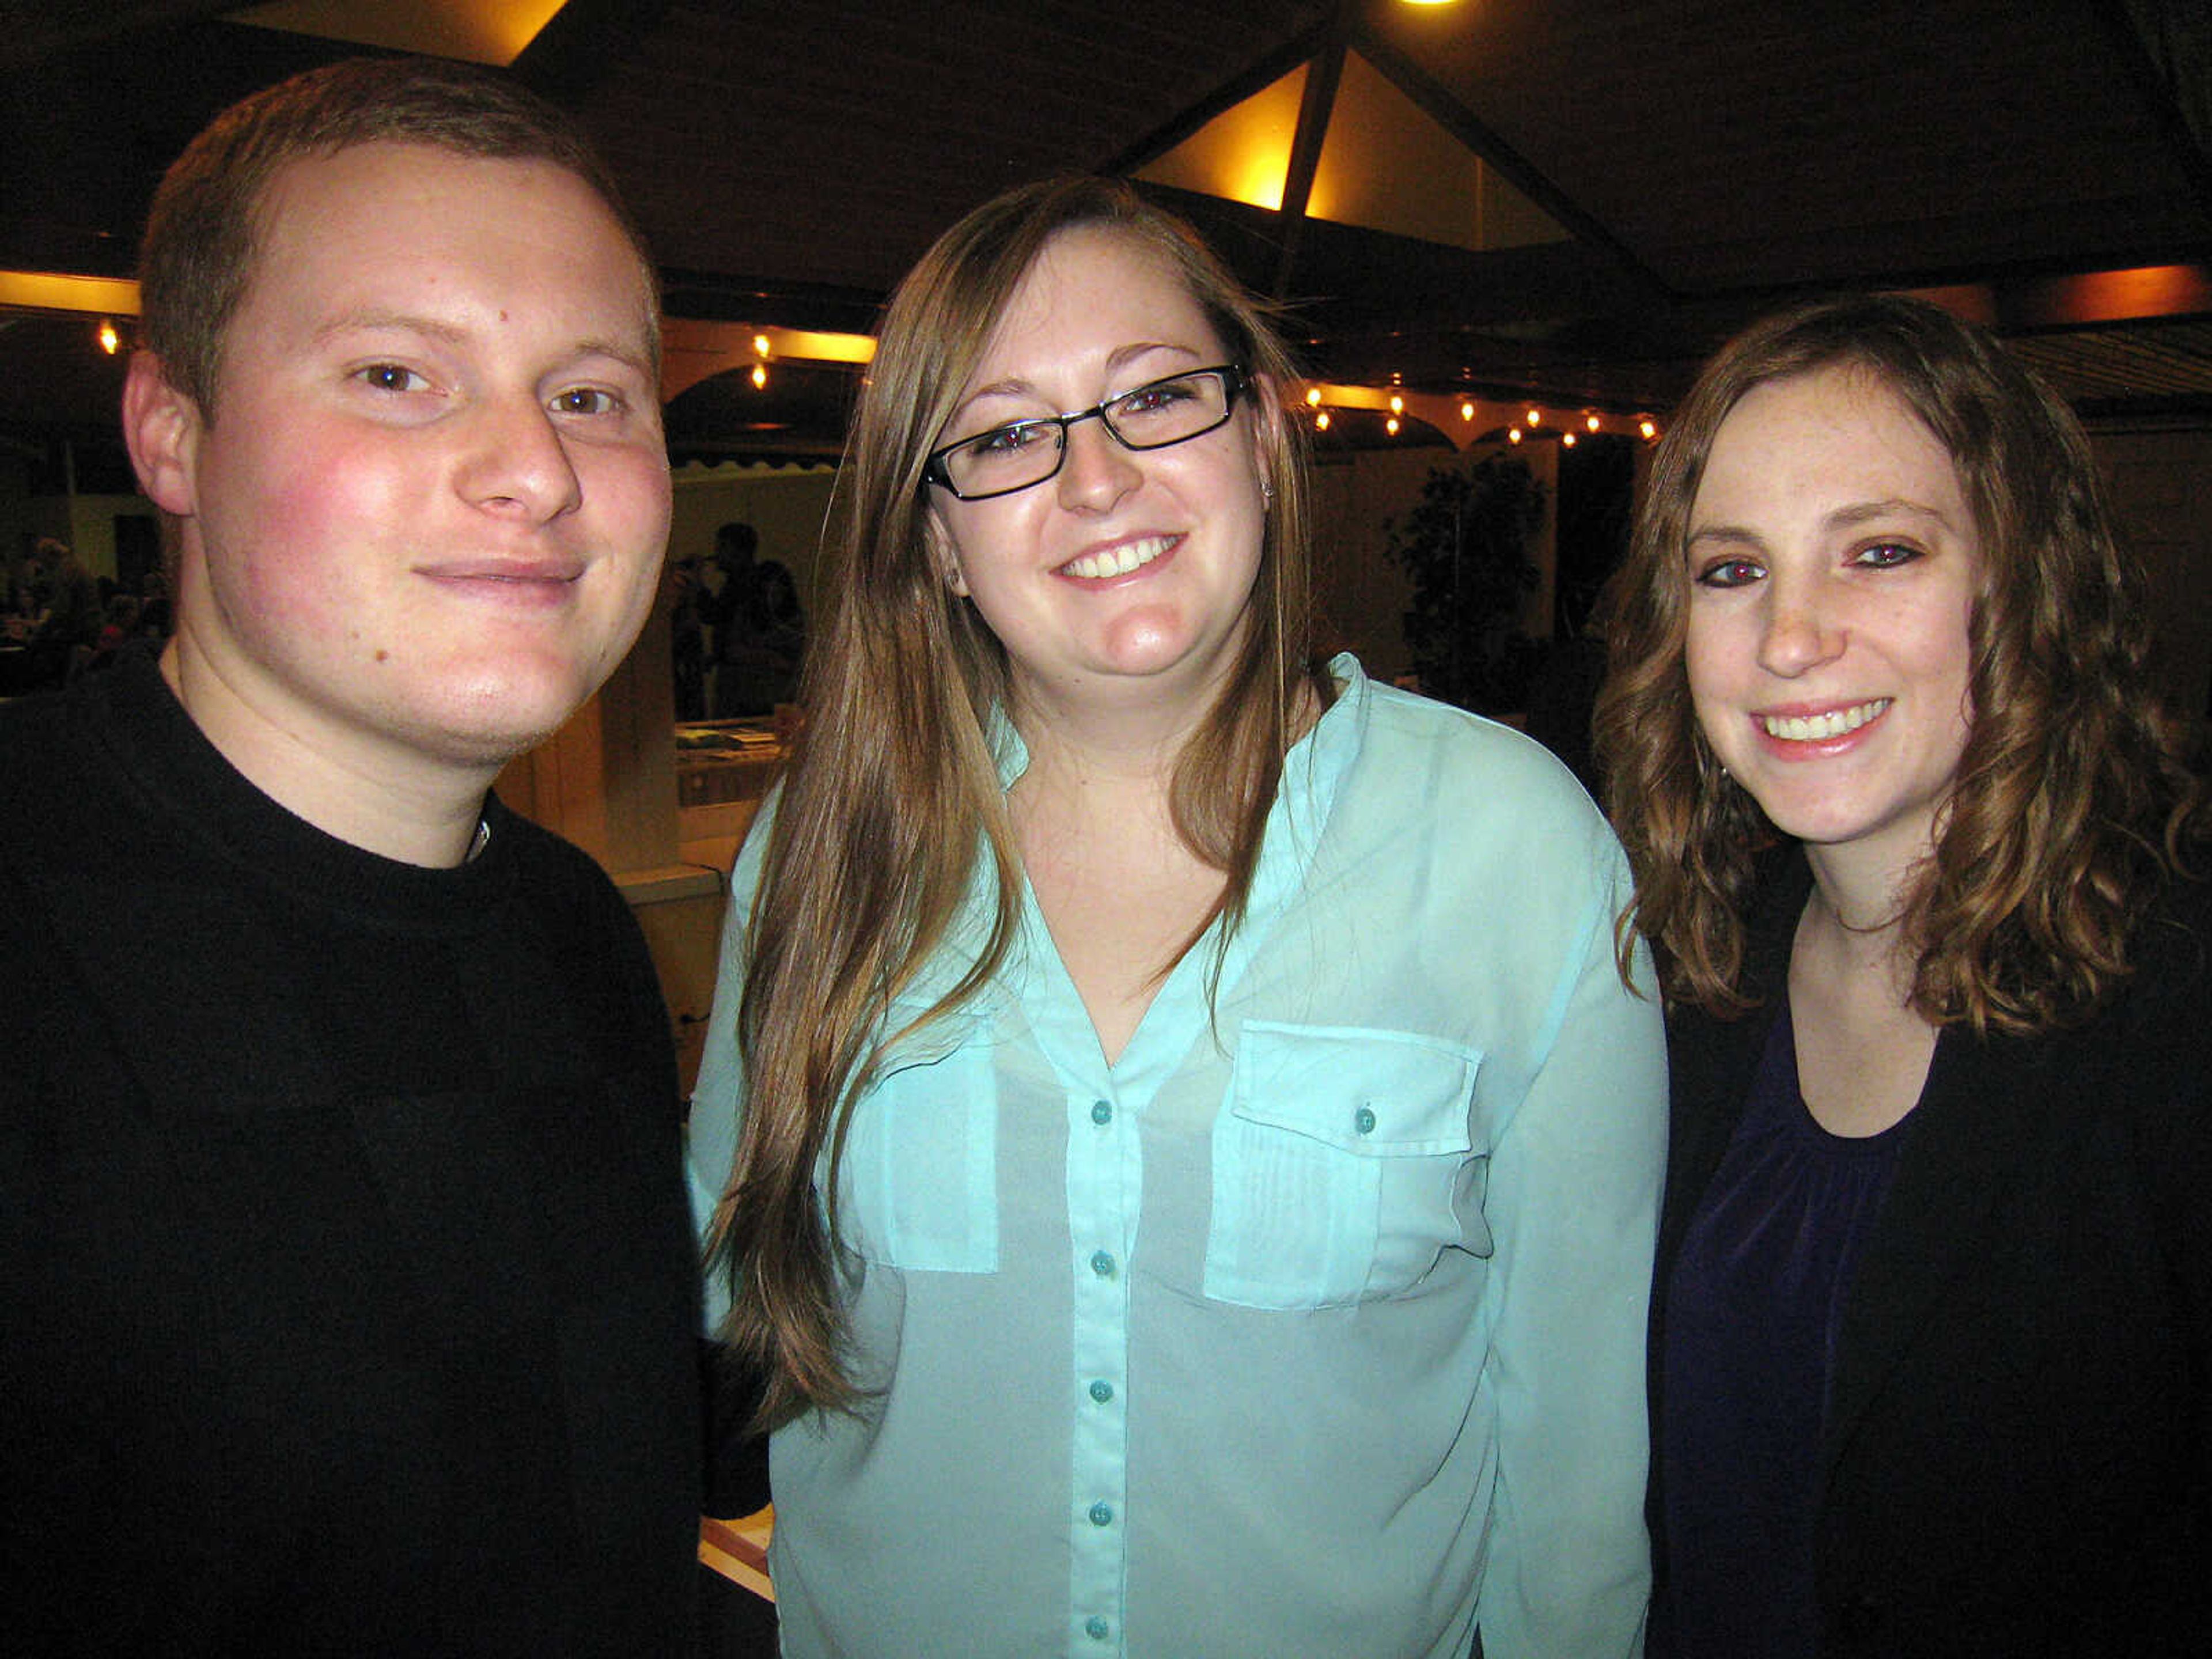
<point x="893" y="795"/>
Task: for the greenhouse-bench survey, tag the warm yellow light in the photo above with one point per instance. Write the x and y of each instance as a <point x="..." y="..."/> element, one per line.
<point x="1566" y="440"/>
<point x="1397" y="404"/>
<point x="760" y="376"/>
<point x="1313" y="397"/>
<point x="1648" y="428"/>
<point x="1320" y="422"/>
<point x="1536" y="417"/>
<point x="1590" y="420"/>
<point x="1467" y="411"/>
<point x="760" y="345"/>
<point x="110" y="341"/>
<point x="1390" y="426"/>
<point x="1513" y="436"/>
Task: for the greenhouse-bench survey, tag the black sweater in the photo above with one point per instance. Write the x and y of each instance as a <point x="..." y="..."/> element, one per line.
<point x="347" y="1300"/>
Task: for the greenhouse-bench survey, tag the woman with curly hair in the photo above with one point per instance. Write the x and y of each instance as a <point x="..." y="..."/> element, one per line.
<point x="1195" y="1163"/>
<point x="1933" y="1316"/>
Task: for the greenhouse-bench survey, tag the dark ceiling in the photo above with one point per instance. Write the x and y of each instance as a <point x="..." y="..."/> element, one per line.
<point x="1706" y="158"/>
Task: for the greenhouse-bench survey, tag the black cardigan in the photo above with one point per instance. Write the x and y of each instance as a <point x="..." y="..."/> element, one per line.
<point x="2017" y="1459"/>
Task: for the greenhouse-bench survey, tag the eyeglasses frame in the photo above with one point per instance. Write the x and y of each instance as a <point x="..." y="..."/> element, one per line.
<point x="1235" y="381"/>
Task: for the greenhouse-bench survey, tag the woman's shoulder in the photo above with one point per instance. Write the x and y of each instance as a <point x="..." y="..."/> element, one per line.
<point x="1470" y="755"/>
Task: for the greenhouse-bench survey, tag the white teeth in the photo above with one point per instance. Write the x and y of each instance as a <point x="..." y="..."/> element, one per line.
<point x="1121" y="560"/>
<point x="1796" y="728"/>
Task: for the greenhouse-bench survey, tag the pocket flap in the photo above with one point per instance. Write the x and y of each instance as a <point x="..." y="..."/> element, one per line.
<point x="1382" y="1093"/>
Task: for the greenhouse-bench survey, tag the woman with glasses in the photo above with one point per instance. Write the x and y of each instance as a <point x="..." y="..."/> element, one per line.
<point x="1933" y="1326"/>
<point x="1194" y="1164"/>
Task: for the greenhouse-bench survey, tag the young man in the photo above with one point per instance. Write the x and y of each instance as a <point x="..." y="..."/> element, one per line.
<point x="348" y="1293"/>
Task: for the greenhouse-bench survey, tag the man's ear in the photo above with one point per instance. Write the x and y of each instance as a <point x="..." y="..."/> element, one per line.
<point x="162" y="426"/>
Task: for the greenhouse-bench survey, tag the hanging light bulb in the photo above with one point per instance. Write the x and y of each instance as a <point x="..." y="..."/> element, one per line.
<point x="1536" y="417"/>
<point x="1467" y="411"/>
<point x="1313" y="397"/>
<point x="1390" y="426"/>
<point x="111" y="341"/>
<point x="1320" y="422"/>
<point x="759" y="377"/>
<point x="1647" y="428"/>
<point x="1513" y="436"/>
<point x="1566" y="440"/>
<point x="760" y="345"/>
<point x="1590" y="420"/>
<point x="1397" y="404"/>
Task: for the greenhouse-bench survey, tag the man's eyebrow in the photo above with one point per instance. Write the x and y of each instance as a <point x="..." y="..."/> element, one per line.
<point x="394" y="321"/>
<point x="637" y="354"/>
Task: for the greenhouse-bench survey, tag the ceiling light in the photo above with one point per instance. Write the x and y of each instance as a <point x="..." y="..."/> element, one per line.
<point x="1313" y="397"/>
<point x="1467" y="411"/>
<point x="1648" y="428"/>
<point x="1590" y="420"/>
<point x="1513" y="436"/>
<point x="1390" y="426"/>
<point x="759" y="377"/>
<point x="1536" y="417"/>
<point x="1320" y="422"/>
<point x="111" y="341"/>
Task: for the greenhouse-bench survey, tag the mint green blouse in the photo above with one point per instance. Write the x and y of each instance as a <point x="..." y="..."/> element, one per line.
<point x="1315" y="1324"/>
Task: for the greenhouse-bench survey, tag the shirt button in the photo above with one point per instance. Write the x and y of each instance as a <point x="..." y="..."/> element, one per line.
<point x="1102" y="1263"/>
<point x="1102" y="1111"/>
<point x="1363" y="1120"/>
<point x="1097" y="1628"/>
<point x="1102" y="1514"/>
<point x="1102" y="1391"/>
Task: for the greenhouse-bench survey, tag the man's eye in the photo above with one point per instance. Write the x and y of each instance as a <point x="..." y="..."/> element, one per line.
<point x="585" y="400"/>
<point x="390" y="377"/>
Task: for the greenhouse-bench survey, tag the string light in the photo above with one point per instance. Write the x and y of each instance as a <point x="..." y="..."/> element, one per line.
<point x="1647" y="428"/>
<point x="1566" y="440"/>
<point x="1467" y="411"/>
<point x="111" y="341"/>
<point x="1590" y="420"/>
<point x="1390" y="426"/>
<point x="1536" y="417"/>
<point x="1513" y="436"/>
<point x="1313" y="397"/>
<point x="1320" y="422"/>
<point x="1397" y="404"/>
<point x="759" y="377"/>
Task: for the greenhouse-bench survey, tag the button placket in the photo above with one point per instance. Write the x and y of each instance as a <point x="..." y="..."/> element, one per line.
<point x="1102" y="1182"/>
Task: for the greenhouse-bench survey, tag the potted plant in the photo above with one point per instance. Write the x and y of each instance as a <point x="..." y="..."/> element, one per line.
<point x="1466" y="548"/>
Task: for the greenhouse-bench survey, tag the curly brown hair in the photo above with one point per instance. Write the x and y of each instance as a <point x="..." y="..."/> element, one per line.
<point x="2072" y="805"/>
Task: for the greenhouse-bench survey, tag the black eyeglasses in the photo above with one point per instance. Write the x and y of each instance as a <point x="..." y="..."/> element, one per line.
<point x="1023" y="453"/>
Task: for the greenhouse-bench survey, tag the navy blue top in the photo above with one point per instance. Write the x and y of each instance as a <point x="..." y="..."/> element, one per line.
<point x="1755" y="1301"/>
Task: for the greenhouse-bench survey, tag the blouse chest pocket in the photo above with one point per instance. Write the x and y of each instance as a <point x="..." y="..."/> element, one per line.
<point x="1336" y="1164"/>
<point x="919" y="1180"/>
